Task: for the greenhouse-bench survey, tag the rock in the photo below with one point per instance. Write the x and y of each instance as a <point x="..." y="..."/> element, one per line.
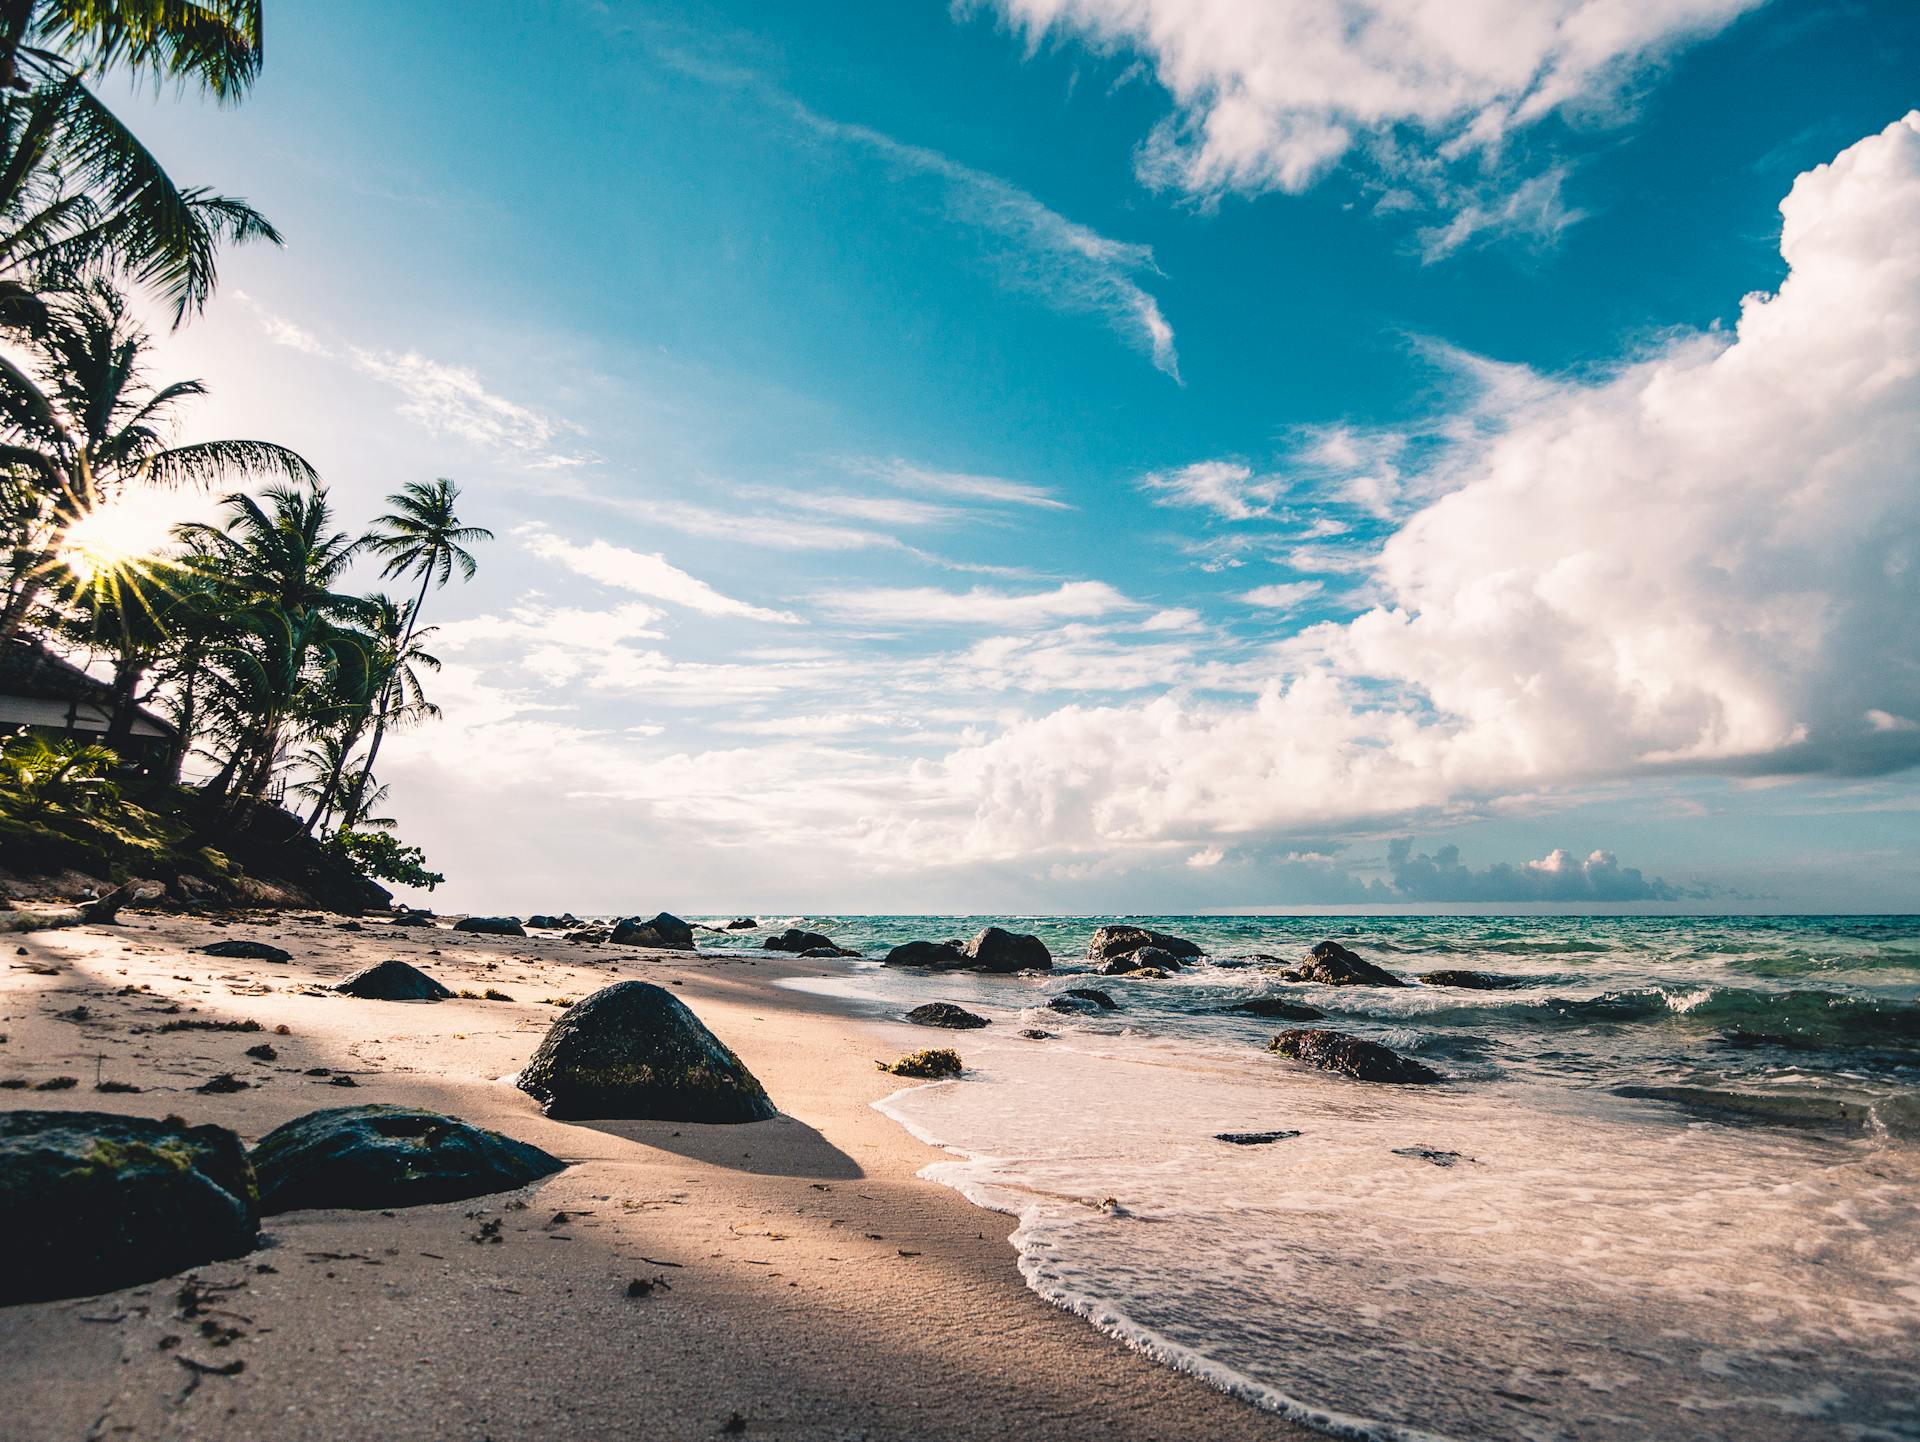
<point x="413" y="918"/>
<point x="1137" y="973"/>
<point x="1082" y="1000"/>
<point x="491" y="925"/>
<point x="1331" y="964"/>
<point x="1112" y="942"/>
<point x="1277" y="1008"/>
<point x="823" y="952"/>
<point x="945" y="1013"/>
<point x="741" y="923"/>
<point x="1147" y="958"/>
<point x="393" y="980"/>
<point x="665" y="931"/>
<point x="247" y="951"/>
<point x="91" y="1201"/>
<point x="1472" y="980"/>
<point x="996" y="949"/>
<point x="1253" y="1139"/>
<point x="935" y="955"/>
<point x="368" y="1157"/>
<point x="932" y="1065"/>
<point x="553" y="923"/>
<point x="1033" y="1033"/>
<point x="634" y="1050"/>
<point x="1429" y="1154"/>
<point x="590" y="933"/>
<point x="794" y="939"/>
<point x="1350" y="1055"/>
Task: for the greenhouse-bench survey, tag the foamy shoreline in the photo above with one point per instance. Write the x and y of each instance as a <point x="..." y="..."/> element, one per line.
<point x="819" y="1287"/>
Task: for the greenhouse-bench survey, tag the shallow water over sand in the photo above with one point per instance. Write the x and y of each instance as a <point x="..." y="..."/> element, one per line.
<point x="1519" y="1253"/>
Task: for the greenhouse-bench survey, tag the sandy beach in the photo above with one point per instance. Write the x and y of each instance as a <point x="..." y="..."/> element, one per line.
<point x="808" y="1283"/>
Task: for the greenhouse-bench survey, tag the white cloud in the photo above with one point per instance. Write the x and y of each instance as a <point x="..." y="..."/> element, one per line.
<point x="928" y="606"/>
<point x="1272" y="94"/>
<point x="645" y="575"/>
<point x="1282" y="595"/>
<point x="956" y="483"/>
<point x="1229" y="489"/>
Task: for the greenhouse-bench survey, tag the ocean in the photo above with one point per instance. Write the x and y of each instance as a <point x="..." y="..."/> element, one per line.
<point x="1670" y="1187"/>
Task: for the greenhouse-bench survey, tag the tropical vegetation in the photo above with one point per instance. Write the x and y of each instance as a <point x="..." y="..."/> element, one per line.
<point x="277" y="678"/>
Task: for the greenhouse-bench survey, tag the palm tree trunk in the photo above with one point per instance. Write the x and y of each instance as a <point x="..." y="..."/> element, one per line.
<point x="351" y="811"/>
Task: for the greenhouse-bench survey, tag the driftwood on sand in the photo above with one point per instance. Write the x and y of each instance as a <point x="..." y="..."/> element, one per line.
<point x="99" y="911"/>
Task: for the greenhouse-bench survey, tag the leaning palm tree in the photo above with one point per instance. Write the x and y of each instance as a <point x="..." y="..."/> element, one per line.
<point x="85" y="425"/>
<point x="421" y="536"/>
<point x="214" y="42"/>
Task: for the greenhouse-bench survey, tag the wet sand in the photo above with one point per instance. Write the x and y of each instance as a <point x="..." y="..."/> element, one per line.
<point x="812" y="1286"/>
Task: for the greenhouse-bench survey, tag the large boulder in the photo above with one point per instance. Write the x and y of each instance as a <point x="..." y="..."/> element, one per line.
<point x="387" y="1156"/>
<point x="945" y="1013"/>
<point x="566" y="921"/>
<point x="1146" y="958"/>
<point x="491" y="925"/>
<point x="393" y="980"/>
<point x="92" y="1201"/>
<point x="996" y="949"/>
<point x="634" y="1050"/>
<point x="1110" y="943"/>
<point x="665" y="931"/>
<point x="934" y="955"/>
<point x="248" y="951"/>
<point x="794" y="939"/>
<point x="1331" y="964"/>
<point x="1085" y="1000"/>
<point x="741" y="923"/>
<point x="1336" y="1051"/>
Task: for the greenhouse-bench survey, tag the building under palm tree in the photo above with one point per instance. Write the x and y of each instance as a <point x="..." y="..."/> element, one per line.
<point x="42" y="693"/>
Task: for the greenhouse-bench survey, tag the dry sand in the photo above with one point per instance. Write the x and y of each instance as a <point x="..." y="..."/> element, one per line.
<point x="815" y="1286"/>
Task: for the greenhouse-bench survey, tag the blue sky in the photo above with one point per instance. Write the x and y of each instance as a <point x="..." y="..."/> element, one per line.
<point x="1016" y="457"/>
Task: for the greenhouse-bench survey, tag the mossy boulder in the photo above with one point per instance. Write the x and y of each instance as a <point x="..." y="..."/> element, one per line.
<point x="1112" y="943"/>
<point x="388" y="1156"/>
<point x="945" y="1013"/>
<point x="935" y="1064"/>
<point x="664" y="931"/>
<point x="634" y="1050"/>
<point x="1352" y="1056"/>
<point x="1331" y="964"/>
<point x="93" y="1201"/>
<point x="393" y="980"/>
<point x="491" y="925"/>
<point x="248" y="951"/>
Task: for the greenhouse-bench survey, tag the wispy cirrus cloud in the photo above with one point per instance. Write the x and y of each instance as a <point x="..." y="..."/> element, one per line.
<point x="929" y="606"/>
<point x="911" y="477"/>
<point x="644" y="575"/>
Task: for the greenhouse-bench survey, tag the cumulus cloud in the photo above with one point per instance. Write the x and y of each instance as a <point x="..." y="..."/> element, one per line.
<point x="644" y="575"/>
<point x="1283" y="595"/>
<point x="1705" y="562"/>
<point x="1272" y="94"/>
<point x="1556" y="877"/>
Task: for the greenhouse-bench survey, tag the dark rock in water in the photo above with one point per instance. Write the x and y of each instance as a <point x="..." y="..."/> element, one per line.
<point x="1124" y="968"/>
<point x="414" y="918"/>
<point x="1277" y="1008"/>
<point x="1473" y="980"/>
<point x="1033" y="1033"/>
<point x="794" y="939"/>
<point x="387" y="1156"/>
<point x="1110" y="942"/>
<point x="1429" y="1154"/>
<point x="91" y="1201"/>
<point x="1788" y="1109"/>
<point x="996" y="949"/>
<point x="589" y="934"/>
<point x="553" y="923"/>
<point x="825" y="952"/>
<point x="934" y="1065"/>
<point x="665" y="931"/>
<point x="1331" y="964"/>
<point x="1253" y="1139"/>
<point x="634" y="1050"/>
<point x="740" y="923"/>
<point x="935" y="955"/>
<point x="1363" y="1060"/>
<point x="1146" y="958"/>
<point x="248" y="951"/>
<point x="945" y="1013"/>
<point x="1082" y="1001"/>
<point x="491" y="925"/>
<point x="393" y="980"/>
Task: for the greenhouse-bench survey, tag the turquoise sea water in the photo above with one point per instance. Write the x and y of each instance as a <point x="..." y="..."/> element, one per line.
<point x="1670" y="1187"/>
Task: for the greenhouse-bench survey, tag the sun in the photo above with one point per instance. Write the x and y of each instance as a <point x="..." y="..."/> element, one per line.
<point x="109" y="538"/>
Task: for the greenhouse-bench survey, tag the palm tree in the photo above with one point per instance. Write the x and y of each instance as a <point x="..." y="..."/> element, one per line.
<point x="214" y="42"/>
<point x="86" y="425"/>
<point x="280" y="562"/>
<point x="421" y="536"/>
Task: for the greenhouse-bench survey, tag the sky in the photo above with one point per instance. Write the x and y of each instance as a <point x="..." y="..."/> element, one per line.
<point x="1072" y="456"/>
